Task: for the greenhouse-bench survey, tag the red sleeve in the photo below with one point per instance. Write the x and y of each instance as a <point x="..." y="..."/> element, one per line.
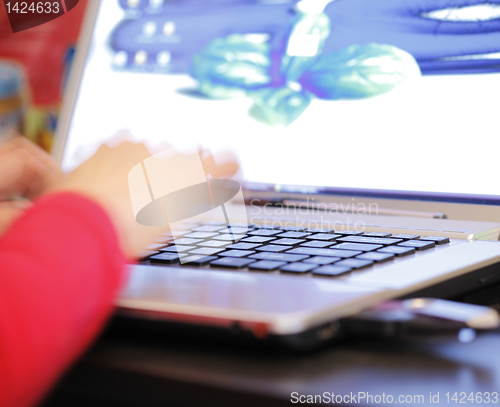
<point x="60" y="269"/>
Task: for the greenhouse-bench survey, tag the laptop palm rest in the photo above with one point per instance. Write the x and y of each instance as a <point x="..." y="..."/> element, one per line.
<point x="290" y="304"/>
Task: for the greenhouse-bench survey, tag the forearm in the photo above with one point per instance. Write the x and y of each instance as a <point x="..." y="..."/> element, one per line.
<point x="60" y="269"/>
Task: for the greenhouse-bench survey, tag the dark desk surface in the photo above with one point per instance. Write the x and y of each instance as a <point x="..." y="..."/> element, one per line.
<point x="128" y="368"/>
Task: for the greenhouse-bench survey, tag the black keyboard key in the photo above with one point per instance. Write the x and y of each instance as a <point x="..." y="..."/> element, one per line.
<point x="177" y="248"/>
<point x="377" y="234"/>
<point x="180" y="230"/>
<point x="418" y="244"/>
<point x="398" y="251"/>
<point x="369" y="240"/>
<point x="320" y="230"/>
<point x="242" y="225"/>
<point x="145" y="254"/>
<point x="323" y="236"/>
<point x="229" y="237"/>
<point x="234" y="230"/>
<point x="165" y="240"/>
<point x="214" y="243"/>
<point x="358" y="247"/>
<point x="264" y="232"/>
<point x="177" y="233"/>
<point x="231" y="262"/>
<point x="257" y="239"/>
<point x="167" y="258"/>
<point x="289" y="242"/>
<point x="266" y="265"/>
<point x="347" y="233"/>
<point x="200" y="235"/>
<point x="293" y="235"/>
<point x="155" y="246"/>
<point x="207" y="228"/>
<point x="236" y="253"/>
<point x="405" y="236"/>
<point x="321" y="260"/>
<point x="376" y="256"/>
<point x="323" y="252"/>
<point x="297" y="268"/>
<point x="197" y="260"/>
<point x="354" y="263"/>
<point x="436" y="239"/>
<point x="294" y="228"/>
<point x="290" y="258"/>
<point x="187" y="241"/>
<point x="272" y="248"/>
<point x="330" y="271"/>
<point x="169" y="248"/>
<point x="206" y="251"/>
<point x="268" y="226"/>
<point x="317" y="244"/>
<point x="243" y="246"/>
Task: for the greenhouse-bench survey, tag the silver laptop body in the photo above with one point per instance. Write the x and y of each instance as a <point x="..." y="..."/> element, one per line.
<point x="274" y="303"/>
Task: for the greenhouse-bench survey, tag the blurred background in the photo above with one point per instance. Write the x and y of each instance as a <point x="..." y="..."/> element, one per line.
<point x="34" y="64"/>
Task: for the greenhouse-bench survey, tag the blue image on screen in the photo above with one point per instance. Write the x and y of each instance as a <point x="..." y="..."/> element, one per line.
<point x="284" y="54"/>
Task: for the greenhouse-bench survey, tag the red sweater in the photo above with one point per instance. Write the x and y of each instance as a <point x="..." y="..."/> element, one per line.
<point x="60" y="269"/>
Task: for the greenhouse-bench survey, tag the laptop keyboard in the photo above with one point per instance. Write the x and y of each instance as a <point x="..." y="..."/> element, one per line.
<point x="288" y="250"/>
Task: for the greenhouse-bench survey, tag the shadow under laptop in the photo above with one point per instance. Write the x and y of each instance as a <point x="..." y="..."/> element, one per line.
<point x="137" y="365"/>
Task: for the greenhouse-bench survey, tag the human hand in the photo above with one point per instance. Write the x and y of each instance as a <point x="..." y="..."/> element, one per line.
<point x="104" y="179"/>
<point x="26" y="171"/>
<point x="224" y="164"/>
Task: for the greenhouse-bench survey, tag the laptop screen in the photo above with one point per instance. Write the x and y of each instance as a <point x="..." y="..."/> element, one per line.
<point x="279" y="82"/>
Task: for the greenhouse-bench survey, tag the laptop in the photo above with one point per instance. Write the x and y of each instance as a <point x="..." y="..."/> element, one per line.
<point x="347" y="202"/>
